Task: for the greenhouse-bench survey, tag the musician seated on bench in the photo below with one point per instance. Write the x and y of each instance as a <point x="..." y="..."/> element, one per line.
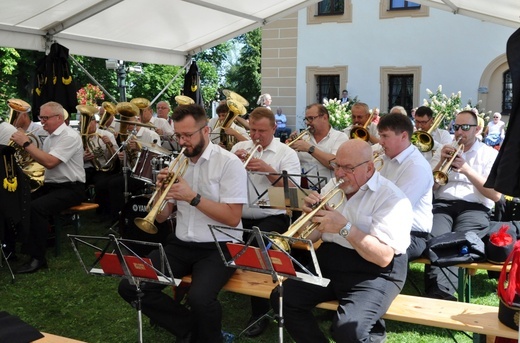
<point x="363" y="253"/>
<point x="463" y="203"/>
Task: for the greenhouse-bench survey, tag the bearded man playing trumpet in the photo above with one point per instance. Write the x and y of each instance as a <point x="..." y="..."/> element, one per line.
<point x="462" y="203"/>
<point x="212" y="191"/>
<point x="363" y="253"/>
<point x="276" y="157"/>
<point x="322" y="144"/>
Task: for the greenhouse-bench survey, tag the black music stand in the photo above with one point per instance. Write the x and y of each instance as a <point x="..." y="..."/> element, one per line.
<point x="262" y="259"/>
<point x="117" y="259"/>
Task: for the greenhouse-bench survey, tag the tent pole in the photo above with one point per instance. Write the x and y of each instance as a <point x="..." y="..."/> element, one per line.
<point x="92" y="78"/>
<point x="169" y="83"/>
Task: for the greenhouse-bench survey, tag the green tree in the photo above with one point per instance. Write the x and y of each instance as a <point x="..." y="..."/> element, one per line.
<point x="8" y="63"/>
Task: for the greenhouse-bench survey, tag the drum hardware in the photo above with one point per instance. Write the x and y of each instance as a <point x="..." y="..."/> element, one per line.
<point x="146" y="166"/>
<point x="177" y="168"/>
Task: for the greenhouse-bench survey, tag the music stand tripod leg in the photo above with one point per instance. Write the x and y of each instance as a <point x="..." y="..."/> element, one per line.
<point x="138" y="307"/>
<point x="2" y="252"/>
<point x="280" y="310"/>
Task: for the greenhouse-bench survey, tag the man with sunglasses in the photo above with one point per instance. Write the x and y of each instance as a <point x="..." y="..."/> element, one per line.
<point x="463" y="203"/>
<point x="64" y="186"/>
<point x="316" y="152"/>
<point x="424" y="121"/>
<point x="363" y="253"/>
<point x="212" y="191"/>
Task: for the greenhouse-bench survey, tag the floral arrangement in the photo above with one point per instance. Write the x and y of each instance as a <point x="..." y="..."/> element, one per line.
<point x="441" y="103"/>
<point x="89" y="95"/>
<point x="339" y="114"/>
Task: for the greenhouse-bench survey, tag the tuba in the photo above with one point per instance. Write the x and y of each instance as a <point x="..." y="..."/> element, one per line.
<point x="361" y="132"/>
<point x="423" y="140"/>
<point x="184" y="100"/>
<point x="177" y="168"/>
<point x="92" y="142"/>
<point x="441" y="176"/>
<point x="110" y="112"/>
<point x="303" y="224"/>
<point x="126" y="110"/>
<point x="237" y="107"/>
<point x="34" y="170"/>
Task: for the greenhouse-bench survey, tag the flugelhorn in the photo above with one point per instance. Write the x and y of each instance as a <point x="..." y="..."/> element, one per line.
<point x="361" y="132"/>
<point x="304" y="134"/>
<point x="423" y="140"/>
<point x="303" y="224"/>
<point x="255" y="152"/>
<point x="441" y="176"/>
<point x="177" y="168"/>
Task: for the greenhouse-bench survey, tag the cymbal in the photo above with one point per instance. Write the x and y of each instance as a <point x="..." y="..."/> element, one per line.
<point x="235" y="96"/>
<point x="184" y="100"/>
<point x="137" y="123"/>
<point x="154" y="147"/>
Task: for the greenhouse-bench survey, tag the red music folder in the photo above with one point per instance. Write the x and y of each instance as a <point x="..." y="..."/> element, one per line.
<point x="111" y="265"/>
<point x="252" y="258"/>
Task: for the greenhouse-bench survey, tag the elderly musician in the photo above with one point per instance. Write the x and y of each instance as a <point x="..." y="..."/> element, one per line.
<point x="316" y="152"/>
<point x="276" y="157"/>
<point x="462" y="203"/>
<point x="361" y="117"/>
<point x="24" y="121"/>
<point x="232" y="130"/>
<point x="403" y="164"/>
<point x="363" y="253"/>
<point x="212" y="191"/>
<point x="64" y="186"/>
<point x="423" y="122"/>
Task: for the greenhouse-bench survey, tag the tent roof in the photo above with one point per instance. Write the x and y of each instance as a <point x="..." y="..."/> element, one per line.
<point x="159" y="31"/>
<point x="503" y="12"/>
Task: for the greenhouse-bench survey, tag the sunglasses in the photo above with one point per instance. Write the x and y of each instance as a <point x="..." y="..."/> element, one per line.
<point x="464" y="127"/>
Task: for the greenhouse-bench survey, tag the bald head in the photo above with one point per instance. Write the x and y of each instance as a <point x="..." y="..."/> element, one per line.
<point x="354" y="150"/>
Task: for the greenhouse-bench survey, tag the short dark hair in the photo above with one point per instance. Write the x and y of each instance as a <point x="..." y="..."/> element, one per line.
<point x="396" y="122"/>
<point x="424" y="111"/>
<point x="194" y="110"/>
<point x="473" y="114"/>
<point x="321" y="109"/>
<point x="222" y="108"/>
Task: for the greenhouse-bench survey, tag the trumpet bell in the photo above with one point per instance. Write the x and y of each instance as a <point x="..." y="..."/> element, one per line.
<point x="146" y="225"/>
<point x="422" y="140"/>
<point x="359" y="133"/>
<point x="184" y="100"/>
<point x="440" y="177"/>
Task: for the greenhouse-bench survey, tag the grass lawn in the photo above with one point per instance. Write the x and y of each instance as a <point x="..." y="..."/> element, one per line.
<point x="65" y="300"/>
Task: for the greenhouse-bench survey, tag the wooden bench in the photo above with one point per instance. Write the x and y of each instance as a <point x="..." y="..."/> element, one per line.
<point x="466" y="271"/>
<point x="74" y="213"/>
<point x="479" y="319"/>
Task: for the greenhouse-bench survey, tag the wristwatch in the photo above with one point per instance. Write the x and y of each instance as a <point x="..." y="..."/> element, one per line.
<point x="311" y="149"/>
<point x="26" y="144"/>
<point x="345" y="230"/>
<point x="195" y="201"/>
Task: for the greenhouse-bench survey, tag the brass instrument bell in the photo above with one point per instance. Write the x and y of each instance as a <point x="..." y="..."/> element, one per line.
<point x="235" y="96"/>
<point x="184" y="100"/>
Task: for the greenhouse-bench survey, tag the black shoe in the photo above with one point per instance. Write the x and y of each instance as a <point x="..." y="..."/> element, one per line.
<point x="32" y="266"/>
<point x="257" y="328"/>
<point x="377" y="337"/>
<point x="184" y="339"/>
<point x="438" y="294"/>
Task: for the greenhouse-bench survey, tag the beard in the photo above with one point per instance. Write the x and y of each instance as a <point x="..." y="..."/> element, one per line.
<point x="196" y="150"/>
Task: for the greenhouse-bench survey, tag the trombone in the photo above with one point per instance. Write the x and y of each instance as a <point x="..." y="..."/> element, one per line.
<point x="361" y="132"/>
<point x="304" y="224"/>
<point x="423" y="140"/>
<point x="177" y="168"/>
<point x="441" y="176"/>
<point x="255" y="152"/>
<point x="304" y="134"/>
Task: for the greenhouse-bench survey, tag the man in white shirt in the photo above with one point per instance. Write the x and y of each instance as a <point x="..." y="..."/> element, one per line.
<point x="423" y="122"/>
<point x="321" y="146"/>
<point x="276" y="157"/>
<point x="6" y="131"/>
<point x="360" y="118"/>
<point x="233" y="133"/>
<point x="212" y="191"/>
<point x="404" y="165"/>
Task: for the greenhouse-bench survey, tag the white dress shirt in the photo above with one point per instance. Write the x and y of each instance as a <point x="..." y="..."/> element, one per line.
<point x="6" y="131"/>
<point x="162" y="124"/>
<point x="102" y="145"/>
<point x="215" y="131"/>
<point x="280" y="157"/>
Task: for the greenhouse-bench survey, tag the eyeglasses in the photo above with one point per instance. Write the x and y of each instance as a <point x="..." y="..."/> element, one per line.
<point x="347" y="170"/>
<point x="310" y="119"/>
<point x="45" y="118"/>
<point x="162" y="108"/>
<point x="185" y="136"/>
<point x="495" y="117"/>
<point x="422" y="122"/>
<point x="464" y="127"/>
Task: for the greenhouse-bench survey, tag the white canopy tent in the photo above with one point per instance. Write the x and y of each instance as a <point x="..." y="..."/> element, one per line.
<point x="157" y="31"/>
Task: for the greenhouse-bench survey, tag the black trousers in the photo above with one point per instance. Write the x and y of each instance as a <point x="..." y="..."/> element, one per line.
<point x="209" y="274"/>
<point x="278" y="223"/>
<point x="418" y="244"/>
<point x="363" y="289"/>
<point x="452" y="216"/>
<point x="48" y="200"/>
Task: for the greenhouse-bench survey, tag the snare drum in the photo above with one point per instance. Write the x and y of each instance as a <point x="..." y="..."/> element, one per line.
<point x="148" y="165"/>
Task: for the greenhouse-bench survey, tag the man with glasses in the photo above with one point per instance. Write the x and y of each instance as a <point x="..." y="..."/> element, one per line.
<point x="360" y="116"/>
<point x="463" y="203"/>
<point x="363" y="253"/>
<point x="316" y="152"/>
<point x="424" y="121"/>
<point x="403" y="164"/>
<point x="212" y="191"/>
<point x="64" y="186"/>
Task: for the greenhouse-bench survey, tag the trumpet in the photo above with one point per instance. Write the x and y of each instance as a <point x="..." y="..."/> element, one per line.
<point x="177" y="168"/>
<point x="423" y="140"/>
<point x="255" y="152"/>
<point x="304" y="224"/>
<point x="361" y="132"/>
<point x="378" y="158"/>
<point x="305" y="135"/>
<point x="441" y="176"/>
